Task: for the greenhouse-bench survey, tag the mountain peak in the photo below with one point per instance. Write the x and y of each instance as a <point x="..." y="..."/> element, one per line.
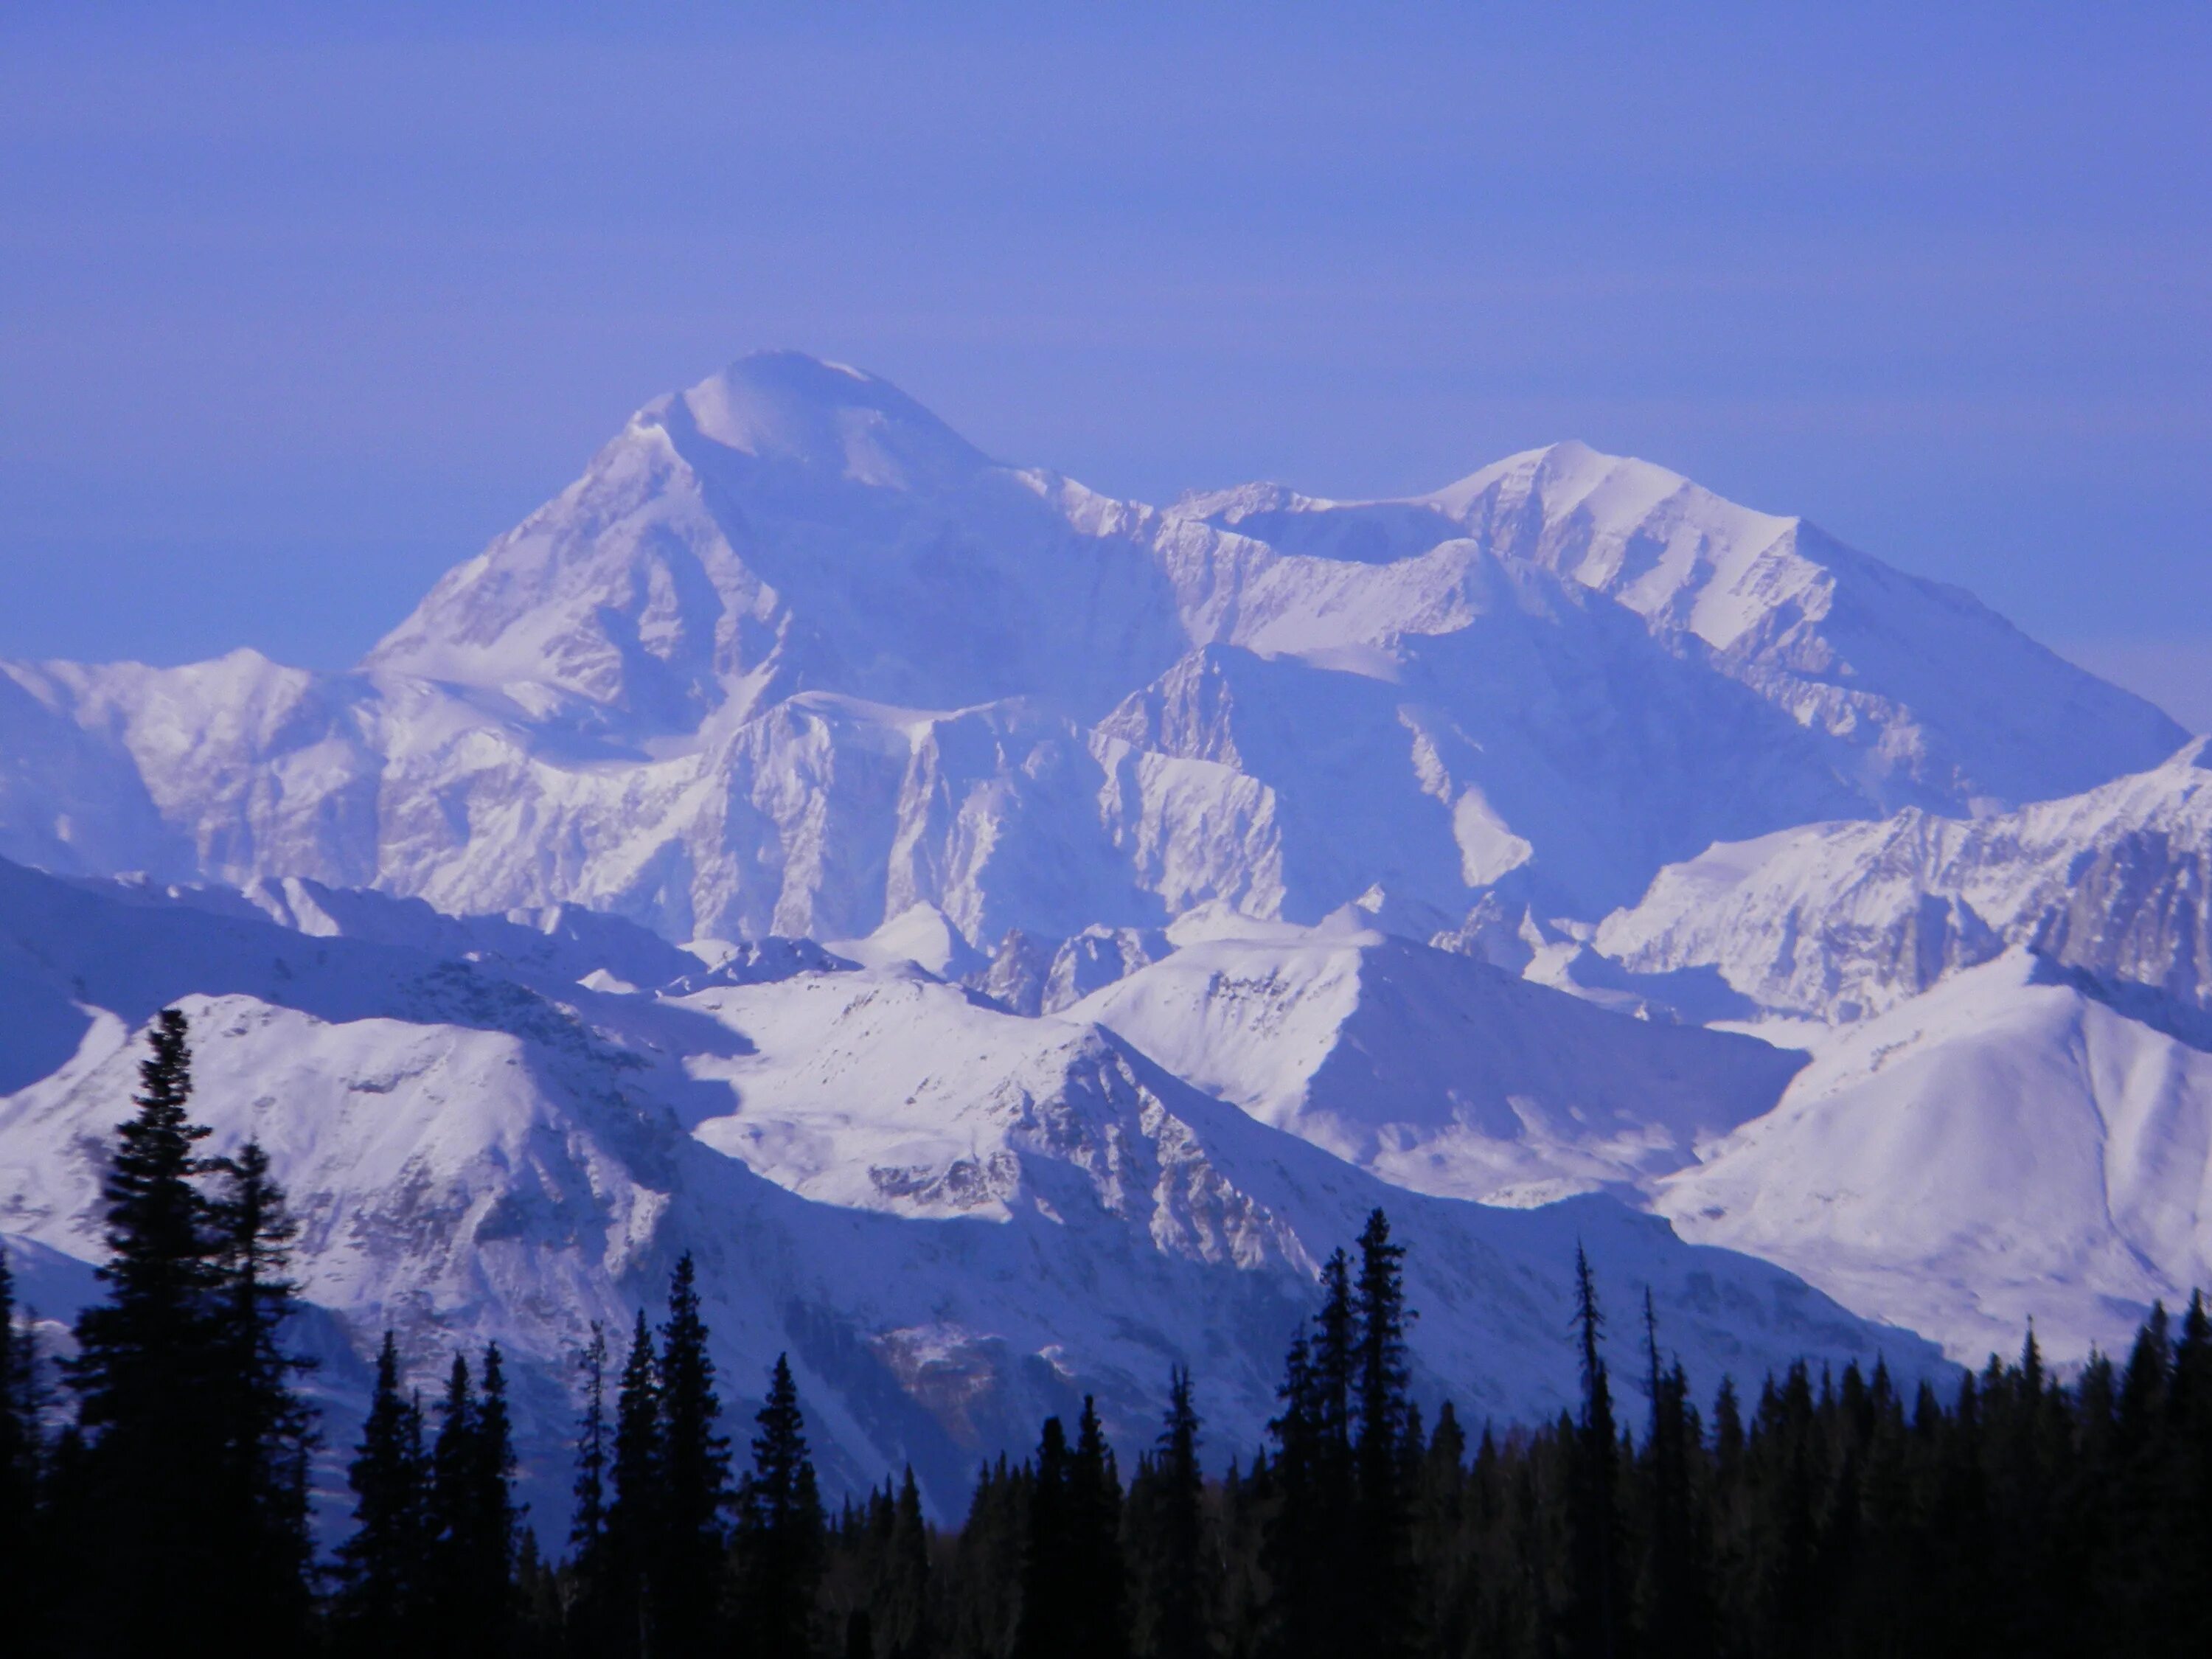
<point x="824" y="417"/>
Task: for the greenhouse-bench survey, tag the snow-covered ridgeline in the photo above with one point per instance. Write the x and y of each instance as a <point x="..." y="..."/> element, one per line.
<point x="792" y="656"/>
<point x="1840" y="921"/>
<point x="953" y="1216"/>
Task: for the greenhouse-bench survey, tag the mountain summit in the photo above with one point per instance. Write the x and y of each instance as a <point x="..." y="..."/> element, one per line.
<point x="792" y="655"/>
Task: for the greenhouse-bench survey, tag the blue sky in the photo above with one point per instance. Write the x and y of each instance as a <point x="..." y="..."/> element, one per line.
<point x="296" y="313"/>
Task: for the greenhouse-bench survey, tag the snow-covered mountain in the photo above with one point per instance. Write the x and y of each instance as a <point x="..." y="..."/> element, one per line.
<point x="2023" y="1141"/>
<point x="1840" y="921"/>
<point x="1437" y="1072"/>
<point x="955" y="1217"/>
<point x="1011" y="932"/>
<point x="791" y="657"/>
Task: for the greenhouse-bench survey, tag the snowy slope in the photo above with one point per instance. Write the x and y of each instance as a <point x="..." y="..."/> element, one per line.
<point x="791" y="657"/>
<point x="1437" y="1072"/>
<point x="1919" y="681"/>
<point x="1841" y="920"/>
<point x="2011" y="1145"/>
<point x="954" y="1218"/>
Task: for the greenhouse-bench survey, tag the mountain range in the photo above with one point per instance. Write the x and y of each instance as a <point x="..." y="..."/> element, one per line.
<point x="1011" y="934"/>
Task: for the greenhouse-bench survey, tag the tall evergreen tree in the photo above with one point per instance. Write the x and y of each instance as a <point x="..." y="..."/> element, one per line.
<point x="695" y="1477"/>
<point x="904" y="1617"/>
<point x="472" y="1533"/>
<point x="267" y="1429"/>
<point x="1093" y="1543"/>
<point x="591" y="1625"/>
<point x="382" y="1563"/>
<point x="1316" y="1609"/>
<point x="494" y="1520"/>
<point x="1676" y="1622"/>
<point x="1169" y="1542"/>
<point x="20" y="1459"/>
<point x="779" y="1529"/>
<point x="145" y="1371"/>
<point x="634" y="1508"/>
<point x="1596" y="1609"/>
<point x="1382" y="1542"/>
<point x="451" y="1495"/>
<point x="1049" y="1598"/>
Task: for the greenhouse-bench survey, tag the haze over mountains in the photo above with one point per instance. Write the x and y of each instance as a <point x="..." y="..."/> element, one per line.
<point x="1013" y="933"/>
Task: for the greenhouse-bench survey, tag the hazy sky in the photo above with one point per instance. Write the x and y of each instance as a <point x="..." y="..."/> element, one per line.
<point x="294" y="313"/>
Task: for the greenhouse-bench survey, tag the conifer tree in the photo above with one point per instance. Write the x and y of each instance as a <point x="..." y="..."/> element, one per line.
<point x="473" y="1518"/>
<point x="589" y="1613"/>
<point x="1596" y="1607"/>
<point x="20" y="1458"/>
<point x="1094" y="1553"/>
<point x="1676" y="1625"/>
<point x="1170" y="1494"/>
<point x="452" y="1533"/>
<point x="905" y="1614"/>
<point x="779" y="1526"/>
<point x="493" y="1520"/>
<point x="695" y="1477"/>
<point x="2189" y="1405"/>
<point x="634" y="1508"/>
<point x="267" y="1429"/>
<point x="145" y="1372"/>
<point x="982" y="1605"/>
<point x="1443" y="1550"/>
<point x="2142" y="1487"/>
<point x="1048" y="1596"/>
<point x="1315" y="1608"/>
<point x="1381" y="1543"/>
<point x="383" y="1561"/>
<point x="1336" y="1358"/>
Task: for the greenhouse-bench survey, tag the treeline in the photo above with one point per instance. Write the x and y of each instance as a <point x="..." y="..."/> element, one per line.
<point x="1832" y="1515"/>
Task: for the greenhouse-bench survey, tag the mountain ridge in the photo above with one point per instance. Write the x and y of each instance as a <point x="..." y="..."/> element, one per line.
<point x="628" y="669"/>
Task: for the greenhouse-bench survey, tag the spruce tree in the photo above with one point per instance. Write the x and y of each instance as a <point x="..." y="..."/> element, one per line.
<point x="382" y="1563"/>
<point x="1049" y="1598"/>
<point x="1676" y="1622"/>
<point x="1096" y="1573"/>
<point x="1170" y="1613"/>
<point x="1381" y="1569"/>
<point x="695" y="1477"/>
<point x="145" y="1372"/>
<point x="267" y="1428"/>
<point x="1444" y="1553"/>
<point x="1315" y="1610"/>
<point x="634" y="1507"/>
<point x="494" y="1521"/>
<point x="982" y="1605"/>
<point x="905" y="1614"/>
<point x="20" y="1459"/>
<point x="590" y="1624"/>
<point x="779" y="1529"/>
<point x="1596" y="1607"/>
<point x="455" y="1546"/>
